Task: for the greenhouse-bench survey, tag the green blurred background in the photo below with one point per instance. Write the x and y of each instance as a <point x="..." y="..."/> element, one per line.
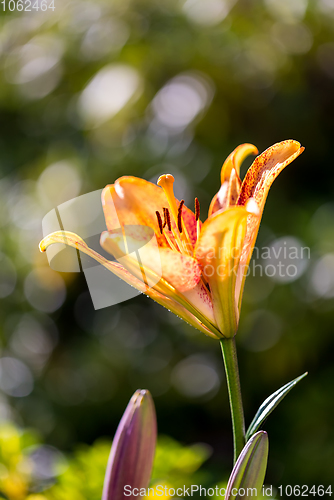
<point x="91" y="91"/>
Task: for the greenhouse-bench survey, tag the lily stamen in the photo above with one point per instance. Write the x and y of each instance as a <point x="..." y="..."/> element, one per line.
<point x="197" y="214"/>
<point x="172" y="244"/>
<point x="183" y="229"/>
<point x="197" y="209"/>
<point x="166" y="183"/>
<point x="157" y="213"/>
<point x="167" y="219"/>
<point x="167" y="222"/>
<point x="162" y="225"/>
<point x="179" y="216"/>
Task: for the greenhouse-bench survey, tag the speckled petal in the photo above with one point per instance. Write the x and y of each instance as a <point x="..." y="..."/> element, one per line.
<point x="258" y="180"/>
<point x="218" y="250"/>
<point x="230" y="181"/>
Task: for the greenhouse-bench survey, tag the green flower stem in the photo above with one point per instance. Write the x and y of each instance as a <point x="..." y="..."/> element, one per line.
<point x="234" y="392"/>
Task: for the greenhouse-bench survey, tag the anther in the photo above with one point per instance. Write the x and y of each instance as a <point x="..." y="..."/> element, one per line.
<point x="159" y="221"/>
<point x="179" y="216"/>
<point x="197" y="209"/>
<point x="166" y="183"/>
<point x="169" y="225"/>
<point x="165" y="217"/>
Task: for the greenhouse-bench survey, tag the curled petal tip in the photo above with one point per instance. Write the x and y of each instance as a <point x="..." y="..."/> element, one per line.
<point x="66" y="237"/>
<point x="235" y="160"/>
<point x="291" y="142"/>
<point x="42" y="247"/>
<point x="242" y="151"/>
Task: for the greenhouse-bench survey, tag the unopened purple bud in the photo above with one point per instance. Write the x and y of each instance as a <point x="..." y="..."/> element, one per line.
<point x="132" y="452"/>
<point x="250" y="468"/>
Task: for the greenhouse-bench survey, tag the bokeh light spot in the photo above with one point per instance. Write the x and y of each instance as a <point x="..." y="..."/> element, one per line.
<point x="261" y="331"/>
<point x="178" y="103"/>
<point x="285" y="260"/>
<point x="15" y="378"/>
<point x="322" y="278"/>
<point x="107" y="93"/>
<point x="208" y="13"/>
<point x="287" y="10"/>
<point x="195" y="377"/>
<point x="45" y="289"/>
<point x="58" y="183"/>
<point x="7" y="276"/>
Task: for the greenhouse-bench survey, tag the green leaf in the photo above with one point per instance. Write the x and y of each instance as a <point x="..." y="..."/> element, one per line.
<point x="250" y="469"/>
<point x="270" y="404"/>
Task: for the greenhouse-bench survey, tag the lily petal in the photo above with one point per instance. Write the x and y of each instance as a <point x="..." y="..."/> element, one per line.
<point x="151" y="263"/>
<point x="228" y="194"/>
<point x="233" y="188"/>
<point x="201" y="299"/>
<point x="235" y="159"/>
<point x="264" y="170"/>
<point x="74" y="241"/>
<point x="182" y="312"/>
<point x="181" y="271"/>
<point x="134" y="201"/>
<point x="218" y="250"/>
<point x="258" y="180"/>
<point x="163" y="293"/>
<point x="219" y="200"/>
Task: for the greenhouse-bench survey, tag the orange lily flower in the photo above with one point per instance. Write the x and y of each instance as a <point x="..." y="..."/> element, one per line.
<point x="195" y="270"/>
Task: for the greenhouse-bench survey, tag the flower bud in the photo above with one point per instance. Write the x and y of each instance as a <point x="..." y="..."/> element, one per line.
<point x="250" y="468"/>
<point x="132" y="452"/>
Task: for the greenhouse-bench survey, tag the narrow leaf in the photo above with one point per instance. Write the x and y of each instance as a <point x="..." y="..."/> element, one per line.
<point x="270" y="404"/>
<point x="247" y="476"/>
